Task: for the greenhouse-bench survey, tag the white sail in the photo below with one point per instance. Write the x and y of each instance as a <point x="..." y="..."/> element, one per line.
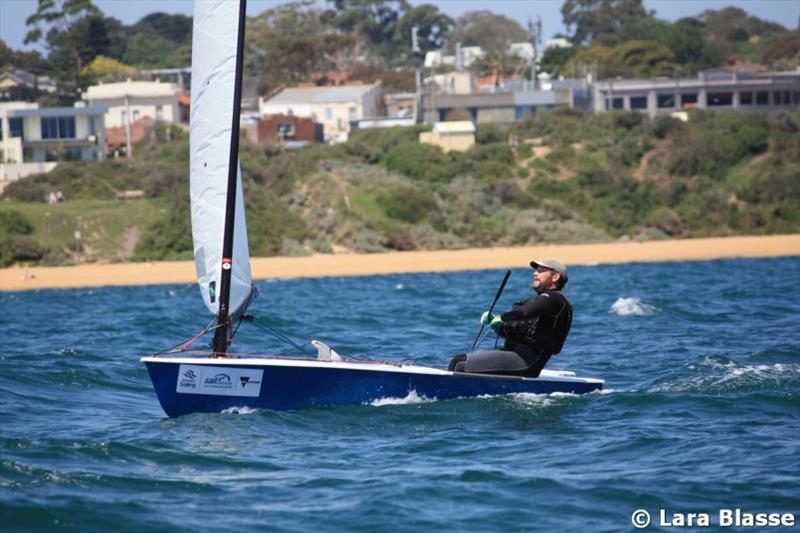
<point x="213" y="77"/>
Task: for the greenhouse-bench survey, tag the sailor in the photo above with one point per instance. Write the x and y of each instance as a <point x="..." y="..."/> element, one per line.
<point x="534" y="329"/>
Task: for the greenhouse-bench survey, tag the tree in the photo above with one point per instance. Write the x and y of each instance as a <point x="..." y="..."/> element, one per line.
<point x="594" y="18"/>
<point x="103" y="67"/>
<point x="374" y="21"/>
<point x="432" y="27"/>
<point x="554" y="59"/>
<point x="286" y="44"/>
<point x="597" y="59"/>
<point x="76" y="33"/>
<point x="30" y="61"/>
<point x="493" y="33"/>
<point x="642" y="59"/>
<point x="688" y="44"/>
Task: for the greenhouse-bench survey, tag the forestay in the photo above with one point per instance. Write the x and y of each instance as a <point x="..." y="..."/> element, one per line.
<point x="213" y="77"/>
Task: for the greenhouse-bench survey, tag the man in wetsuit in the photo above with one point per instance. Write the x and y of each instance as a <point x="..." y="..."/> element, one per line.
<point x="534" y="329"/>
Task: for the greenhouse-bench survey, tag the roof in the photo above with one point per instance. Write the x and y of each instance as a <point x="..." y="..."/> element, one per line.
<point x="458" y="126"/>
<point x="21" y="77"/>
<point x="47" y="112"/>
<point x="320" y="95"/>
<point x="130" y="88"/>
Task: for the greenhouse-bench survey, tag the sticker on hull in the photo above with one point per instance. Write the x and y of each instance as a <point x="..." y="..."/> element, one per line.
<point x="220" y="381"/>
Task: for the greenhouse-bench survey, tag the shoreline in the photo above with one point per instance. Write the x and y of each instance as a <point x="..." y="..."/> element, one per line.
<point x="168" y="272"/>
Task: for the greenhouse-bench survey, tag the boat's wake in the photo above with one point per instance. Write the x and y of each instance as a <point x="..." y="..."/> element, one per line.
<point x="240" y="410"/>
<point x="410" y="399"/>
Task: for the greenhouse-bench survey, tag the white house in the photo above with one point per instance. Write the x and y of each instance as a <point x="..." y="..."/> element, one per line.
<point x="134" y="100"/>
<point x="450" y="136"/>
<point x="34" y="139"/>
<point x="333" y="107"/>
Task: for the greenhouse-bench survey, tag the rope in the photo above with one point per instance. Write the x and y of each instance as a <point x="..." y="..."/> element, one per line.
<point x="185" y="344"/>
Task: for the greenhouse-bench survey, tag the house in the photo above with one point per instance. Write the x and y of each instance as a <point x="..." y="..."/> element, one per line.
<point x="500" y="107"/>
<point x="333" y="107"/>
<point x="153" y="99"/>
<point x="452" y="82"/>
<point x="34" y="139"/>
<point x="456" y="135"/>
<point x="117" y="136"/>
<point x="287" y="129"/>
<point x="718" y="89"/>
<point x="463" y="57"/>
<point x="400" y="104"/>
<point x="17" y="85"/>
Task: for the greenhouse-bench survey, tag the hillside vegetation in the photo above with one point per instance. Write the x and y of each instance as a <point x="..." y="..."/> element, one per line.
<point x="573" y="178"/>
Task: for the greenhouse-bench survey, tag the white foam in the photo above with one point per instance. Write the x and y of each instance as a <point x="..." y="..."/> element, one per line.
<point x="399" y="286"/>
<point x="411" y="398"/>
<point x="631" y="306"/>
<point x="239" y="410"/>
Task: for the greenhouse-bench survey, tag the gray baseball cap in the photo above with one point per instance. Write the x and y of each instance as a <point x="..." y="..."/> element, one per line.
<point x="555" y="264"/>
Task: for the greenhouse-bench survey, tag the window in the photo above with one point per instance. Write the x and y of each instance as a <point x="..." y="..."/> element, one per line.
<point x="285" y="130"/>
<point x="688" y="100"/>
<point x="58" y="127"/>
<point x="720" y="99"/>
<point x="796" y="97"/>
<point x="787" y="97"/>
<point x="72" y="154"/>
<point x="135" y="115"/>
<point x="328" y="113"/>
<point x="746" y="98"/>
<point x="776" y="98"/>
<point x="351" y="113"/>
<point x="159" y="112"/>
<point x="638" y="102"/>
<point x="665" y="100"/>
<point x="762" y="98"/>
<point x="616" y="103"/>
<point x="123" y="116"/>
<point x="92" y="127"/>
<point x="15" y="127"/>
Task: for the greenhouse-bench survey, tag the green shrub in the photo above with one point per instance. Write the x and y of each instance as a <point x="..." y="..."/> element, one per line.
<point x="488" y="133"/>
<point x="423" y="162"/>
<point x="20" y="248"/>
<point x="407" y="204"/>
<point x="13" y="223"/>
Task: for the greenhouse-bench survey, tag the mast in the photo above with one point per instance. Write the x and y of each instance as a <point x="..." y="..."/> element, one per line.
<point x="222" y="335"/>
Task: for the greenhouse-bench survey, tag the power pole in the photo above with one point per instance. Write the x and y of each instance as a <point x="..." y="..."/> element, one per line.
<point x="535" y="36"/>
<point x="417" y="53"/>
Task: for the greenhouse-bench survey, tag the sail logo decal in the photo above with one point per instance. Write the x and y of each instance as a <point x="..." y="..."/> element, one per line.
<point x="203" y="379"/>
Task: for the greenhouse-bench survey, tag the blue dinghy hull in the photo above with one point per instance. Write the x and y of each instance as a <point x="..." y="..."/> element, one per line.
<point x="189" y="385"/>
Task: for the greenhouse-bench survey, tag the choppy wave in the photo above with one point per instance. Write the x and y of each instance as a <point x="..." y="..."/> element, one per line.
<point x="702" y="393"/>
<point x="716" y="374"/>
<point x="631" y="306"/>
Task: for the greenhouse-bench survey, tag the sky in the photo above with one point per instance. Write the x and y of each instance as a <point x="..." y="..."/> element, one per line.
<point x="786" y="12"/>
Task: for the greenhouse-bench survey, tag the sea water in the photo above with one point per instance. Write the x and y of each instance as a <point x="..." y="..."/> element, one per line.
<point x="700" y="414"/>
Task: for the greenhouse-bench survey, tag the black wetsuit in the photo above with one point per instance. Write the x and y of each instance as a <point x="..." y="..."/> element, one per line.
<point x="534" y="330"/>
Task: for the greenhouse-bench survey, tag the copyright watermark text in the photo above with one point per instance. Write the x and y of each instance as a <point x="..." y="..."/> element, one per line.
<point x="641" y="518"/>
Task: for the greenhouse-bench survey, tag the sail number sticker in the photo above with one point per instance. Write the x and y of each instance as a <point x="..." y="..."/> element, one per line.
<point x="219" y="380"/>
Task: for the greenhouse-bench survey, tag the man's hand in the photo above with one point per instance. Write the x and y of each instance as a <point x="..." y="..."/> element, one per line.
<point x="486" y="318"/>
<point x="496" y="323"/>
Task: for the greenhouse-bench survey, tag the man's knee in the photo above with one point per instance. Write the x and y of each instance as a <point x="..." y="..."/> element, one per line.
<point x="457" y="363"/>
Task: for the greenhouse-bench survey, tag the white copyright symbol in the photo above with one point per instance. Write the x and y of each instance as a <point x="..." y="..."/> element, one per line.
<point x="640" y="519"/>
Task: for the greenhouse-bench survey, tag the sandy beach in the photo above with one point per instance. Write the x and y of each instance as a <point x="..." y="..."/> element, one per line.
<point x="98" y="275"/>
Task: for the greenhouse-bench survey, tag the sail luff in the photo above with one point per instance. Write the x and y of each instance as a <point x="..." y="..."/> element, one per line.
<point x="215" y="184"/>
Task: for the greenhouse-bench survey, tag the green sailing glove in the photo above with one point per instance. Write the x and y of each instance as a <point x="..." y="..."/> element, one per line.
<point x="486" y="318"/>
<point x="496" y="323"/>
